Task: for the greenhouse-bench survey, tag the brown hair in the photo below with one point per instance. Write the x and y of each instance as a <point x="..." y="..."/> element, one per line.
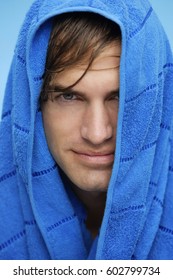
<point x="76" y="37"/>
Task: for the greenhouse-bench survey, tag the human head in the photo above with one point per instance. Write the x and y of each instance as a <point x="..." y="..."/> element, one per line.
<point x="76" y="38"/>
<point x="84" y="51"/>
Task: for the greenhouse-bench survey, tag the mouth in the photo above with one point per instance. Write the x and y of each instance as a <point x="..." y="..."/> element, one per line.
<point x="96" y="158"/>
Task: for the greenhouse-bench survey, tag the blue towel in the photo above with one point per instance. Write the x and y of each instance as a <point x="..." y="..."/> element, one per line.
<point x="39" y="219"/>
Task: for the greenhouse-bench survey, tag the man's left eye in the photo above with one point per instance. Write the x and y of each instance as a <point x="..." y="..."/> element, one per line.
<point x="68" y="96"/>
<point x="114" y="96"/>
<point x="65" y="97"/>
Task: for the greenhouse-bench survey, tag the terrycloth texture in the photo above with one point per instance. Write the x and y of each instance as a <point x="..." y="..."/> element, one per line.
<point x="39" y="218"/>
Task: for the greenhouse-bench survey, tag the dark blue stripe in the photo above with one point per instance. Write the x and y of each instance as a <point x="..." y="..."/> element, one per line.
<point x="151" y="87"/>
<point x="148" y="146"/>
<point x="39" y="78"/>
<point x="130" y="208"/>
<point x="7" y="176"/>
<point x="153" y="184"/>
<point x="21" y="59"/>
<point x="43" y="172"/>
<point x="171" y="168"/>
<point x="12" y="240"/>
<point x="126" y="159"/>
<point x="142" y="24"/>
<point x="168" y="65"/>
<point x="6" y="114"/>
<point x="25" y="130"/>
<point x="165" y="126"/>
<point x="167" y="230"/>
<point x="158" y="201"/>
<point x="63" y="221"/>
<point x="30" y="223"/>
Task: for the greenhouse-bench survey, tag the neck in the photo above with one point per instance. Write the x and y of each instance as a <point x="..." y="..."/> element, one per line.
<point x="94" y="202"/>
<point x="95" y="206"/>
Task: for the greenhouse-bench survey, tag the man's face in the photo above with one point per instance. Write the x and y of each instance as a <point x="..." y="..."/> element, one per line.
<point x="80" y="124"/>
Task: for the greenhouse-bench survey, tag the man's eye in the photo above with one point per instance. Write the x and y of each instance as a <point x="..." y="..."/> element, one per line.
<point x="64" y="97"/>
<point x="68" y="96"/>
<point x="114" y="96"/>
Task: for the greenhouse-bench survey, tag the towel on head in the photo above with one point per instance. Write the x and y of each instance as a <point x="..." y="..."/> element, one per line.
<point x="38" y="220"/>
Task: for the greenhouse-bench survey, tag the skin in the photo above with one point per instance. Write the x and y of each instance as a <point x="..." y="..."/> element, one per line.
<point x="80" y="128"/>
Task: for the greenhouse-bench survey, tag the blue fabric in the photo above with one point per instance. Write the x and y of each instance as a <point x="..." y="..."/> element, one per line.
<point x="39" y="219"/>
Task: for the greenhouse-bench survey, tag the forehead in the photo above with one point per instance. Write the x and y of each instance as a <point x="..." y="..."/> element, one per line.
<point x="108" y="59"/>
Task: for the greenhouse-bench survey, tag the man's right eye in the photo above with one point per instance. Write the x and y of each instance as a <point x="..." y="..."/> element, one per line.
<point x="68" y="96"/>
<point x="65" y="97"/>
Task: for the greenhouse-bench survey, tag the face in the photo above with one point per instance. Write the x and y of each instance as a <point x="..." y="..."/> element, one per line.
<point x="80" y="124"/>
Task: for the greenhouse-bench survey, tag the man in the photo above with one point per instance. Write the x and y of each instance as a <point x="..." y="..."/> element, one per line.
<point x="87" y="150"/>
<point x="85" y="101"/>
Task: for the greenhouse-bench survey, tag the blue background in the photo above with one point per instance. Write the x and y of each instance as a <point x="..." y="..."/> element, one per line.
<point x="12" y="13"/>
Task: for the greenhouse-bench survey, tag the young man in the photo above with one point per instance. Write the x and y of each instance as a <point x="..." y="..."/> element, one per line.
<point x="81" y="90"/>
<point x="86" y="141"/>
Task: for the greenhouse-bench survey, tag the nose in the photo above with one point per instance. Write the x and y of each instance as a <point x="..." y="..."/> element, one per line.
<point x="97" y="125"/>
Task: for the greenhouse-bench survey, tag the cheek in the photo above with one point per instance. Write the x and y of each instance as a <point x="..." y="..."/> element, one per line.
<point x="60" y="128"/>
<point x="112" y="110"/>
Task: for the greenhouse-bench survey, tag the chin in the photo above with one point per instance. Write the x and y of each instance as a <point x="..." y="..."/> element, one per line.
<point x="87" y="180"/>
<point x="93" y="184"/>
<point x="94" y="189"/>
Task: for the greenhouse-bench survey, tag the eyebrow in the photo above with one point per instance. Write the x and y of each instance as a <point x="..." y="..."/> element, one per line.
<point x="59" y="88"/>
<point x="104" y="69"/>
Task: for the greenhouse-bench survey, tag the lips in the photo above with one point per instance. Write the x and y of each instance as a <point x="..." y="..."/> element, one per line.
<point x="96" y="158"/>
